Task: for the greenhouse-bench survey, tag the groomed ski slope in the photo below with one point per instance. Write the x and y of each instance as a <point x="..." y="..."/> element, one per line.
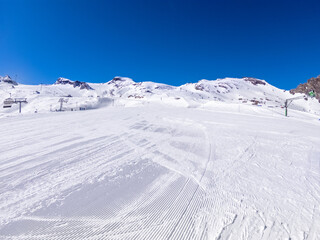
<point x="160" y="172"/>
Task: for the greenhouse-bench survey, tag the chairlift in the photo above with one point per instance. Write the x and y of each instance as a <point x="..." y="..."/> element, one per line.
<point x="7" y="103"/>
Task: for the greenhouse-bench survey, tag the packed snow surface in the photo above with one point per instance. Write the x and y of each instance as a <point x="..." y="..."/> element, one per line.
<point x="158" y="171"/>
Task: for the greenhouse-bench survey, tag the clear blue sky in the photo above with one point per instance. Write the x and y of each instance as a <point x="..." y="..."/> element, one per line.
<point x="165" y="41"/>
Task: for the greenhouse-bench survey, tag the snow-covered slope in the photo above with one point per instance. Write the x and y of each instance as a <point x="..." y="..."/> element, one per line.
<point x="126" y="92"/>
<point x="155" y="171"/>
<point x="207" y="160"/>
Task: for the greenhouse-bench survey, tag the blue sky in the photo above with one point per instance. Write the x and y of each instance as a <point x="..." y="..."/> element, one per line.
<point x="167" y="41"/>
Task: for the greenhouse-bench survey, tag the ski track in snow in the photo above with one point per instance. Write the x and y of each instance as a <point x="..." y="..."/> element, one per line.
<point x="158" y="172"/>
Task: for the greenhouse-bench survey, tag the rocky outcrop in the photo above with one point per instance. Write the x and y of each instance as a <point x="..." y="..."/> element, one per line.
<point x="121" y="81"/>
<point x="311" y="84"/>
<point x="65" y="81"/>
<point x="7" y="79"/>
<point x="254" y="81"/>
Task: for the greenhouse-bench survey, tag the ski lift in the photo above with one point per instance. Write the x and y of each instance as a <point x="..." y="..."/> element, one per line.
<point x="7" y="103"/>
<point x="62" y="100"/>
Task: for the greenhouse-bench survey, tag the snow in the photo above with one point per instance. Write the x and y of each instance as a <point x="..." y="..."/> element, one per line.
<point x="172" y="164"/>
<point x="155" y="171"/>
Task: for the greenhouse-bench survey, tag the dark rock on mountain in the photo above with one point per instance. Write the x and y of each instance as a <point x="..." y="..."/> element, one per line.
<point x="199" y="87"/>
<point x="119" y="80"/>
<point x="115" y="79"/>
<point x="254" y="81"/>
<point x="311" y="84"/>
<point x="7" y="79"/>
<point x="82" y="85"/>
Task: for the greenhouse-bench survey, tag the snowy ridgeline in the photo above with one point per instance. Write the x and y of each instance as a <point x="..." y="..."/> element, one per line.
<point x="125" y="92"/>
<point x="160" y="172"/>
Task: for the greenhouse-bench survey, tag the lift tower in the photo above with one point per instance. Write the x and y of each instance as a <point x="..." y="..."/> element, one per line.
<point x="62" y="100"/>
<point x="20" y="101"/>
<point x="289" y="100"/>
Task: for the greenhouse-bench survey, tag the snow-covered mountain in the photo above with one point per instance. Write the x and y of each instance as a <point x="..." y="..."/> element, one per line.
<point x="81" y="85"/>
<point x="8" y="79"/>
<point x="125" y="91"/>
<point x="206" y="160"/>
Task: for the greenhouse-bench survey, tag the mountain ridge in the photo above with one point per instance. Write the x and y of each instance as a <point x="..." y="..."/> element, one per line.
<point x="126" y="92"/>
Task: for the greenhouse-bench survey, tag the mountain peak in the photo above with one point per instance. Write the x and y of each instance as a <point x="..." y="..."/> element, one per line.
<point x="8" y="79"/>
<point x="120" y="82"/>
<point x="119" y="79"/>
<point x="254" y="81"/>
<point x="65" y="81"/>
